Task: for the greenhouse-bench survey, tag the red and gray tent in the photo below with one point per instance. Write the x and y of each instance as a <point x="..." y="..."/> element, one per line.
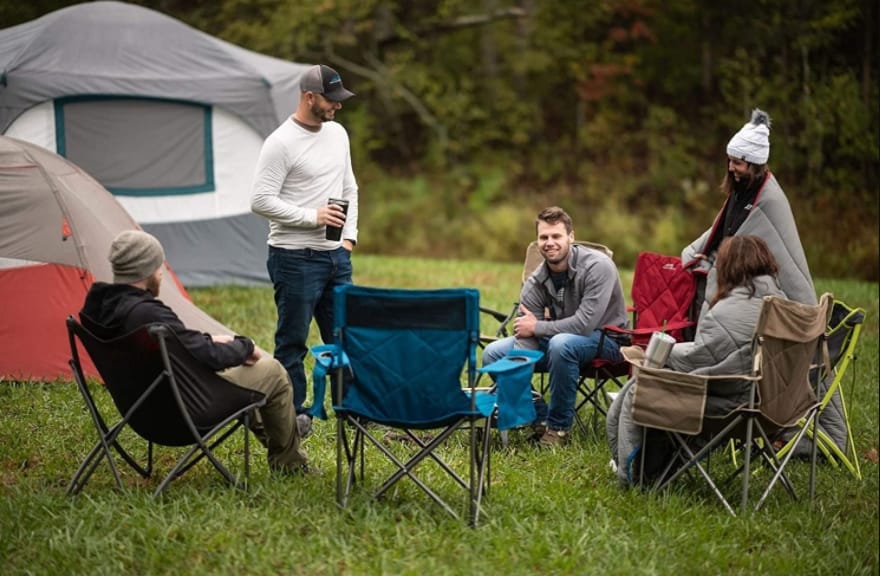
<point x="166" y="117"/>
<point x="56" y="227"/>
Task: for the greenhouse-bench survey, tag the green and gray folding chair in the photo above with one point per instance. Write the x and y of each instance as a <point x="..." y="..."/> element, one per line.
<point x="842" y="335"/>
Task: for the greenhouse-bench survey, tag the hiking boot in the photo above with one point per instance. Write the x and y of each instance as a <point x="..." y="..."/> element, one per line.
<point x="304" y="425"/>
<point x="538" y="430"/>
<point x="297" y="471"/>
<point x="552" y="438"/>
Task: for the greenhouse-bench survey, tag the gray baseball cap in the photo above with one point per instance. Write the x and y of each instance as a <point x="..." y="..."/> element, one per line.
<point x="326" y="81"/>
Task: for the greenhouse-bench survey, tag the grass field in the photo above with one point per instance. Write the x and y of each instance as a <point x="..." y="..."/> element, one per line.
<point x="549" y="512"/>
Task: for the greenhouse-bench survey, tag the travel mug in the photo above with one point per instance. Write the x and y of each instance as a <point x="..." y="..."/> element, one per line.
<point x="333" y="232"/>
<point x="658" y="350"/>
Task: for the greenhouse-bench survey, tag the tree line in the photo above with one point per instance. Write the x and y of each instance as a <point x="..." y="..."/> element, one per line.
<point x="470" y="116"/>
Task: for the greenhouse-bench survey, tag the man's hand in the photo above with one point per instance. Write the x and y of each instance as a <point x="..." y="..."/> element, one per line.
<point x="524" y="325"/>
<point x="252" y="359"/>
<point x="331" y="215"/>
<point x="222" y="338"/>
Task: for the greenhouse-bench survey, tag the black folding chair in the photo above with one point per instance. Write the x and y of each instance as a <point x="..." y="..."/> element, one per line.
<point x="165" y="396"/>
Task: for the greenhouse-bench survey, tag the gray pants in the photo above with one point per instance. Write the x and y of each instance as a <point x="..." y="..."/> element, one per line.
<point x="275" y="426"/>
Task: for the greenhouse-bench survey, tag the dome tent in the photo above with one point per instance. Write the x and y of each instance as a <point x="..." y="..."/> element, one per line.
<point x="56" y="227"/>
<point x="168" y="118"/>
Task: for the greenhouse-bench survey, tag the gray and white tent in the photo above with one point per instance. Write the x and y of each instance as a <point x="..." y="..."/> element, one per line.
<point x="166" y="117"/>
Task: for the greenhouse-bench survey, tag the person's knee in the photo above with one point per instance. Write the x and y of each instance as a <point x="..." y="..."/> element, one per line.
<point x="274" y="375"/>
<point x="494" y="351"/>
<point x="560" y="349"/>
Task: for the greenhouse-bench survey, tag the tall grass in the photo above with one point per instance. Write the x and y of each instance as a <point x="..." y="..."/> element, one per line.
<point x="549" y="512"/>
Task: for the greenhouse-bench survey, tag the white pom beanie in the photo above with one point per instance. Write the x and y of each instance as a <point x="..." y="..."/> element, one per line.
<point x="752" y="142"/>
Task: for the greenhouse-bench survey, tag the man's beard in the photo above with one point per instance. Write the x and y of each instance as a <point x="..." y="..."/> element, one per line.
<point x="320" y="113"/>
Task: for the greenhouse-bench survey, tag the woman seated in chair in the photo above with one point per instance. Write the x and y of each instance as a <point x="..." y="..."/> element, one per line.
<point x="746" y="272"/>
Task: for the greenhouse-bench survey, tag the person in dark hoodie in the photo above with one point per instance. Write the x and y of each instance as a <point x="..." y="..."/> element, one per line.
<point x="131" y="301"/>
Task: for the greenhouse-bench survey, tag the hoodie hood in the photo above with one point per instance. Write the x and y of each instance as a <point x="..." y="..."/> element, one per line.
<point x="107" y="306"/>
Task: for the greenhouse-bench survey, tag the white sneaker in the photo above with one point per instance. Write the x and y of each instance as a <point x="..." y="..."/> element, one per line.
<point x="613" y="465"/>
<point x="304" y="425"/>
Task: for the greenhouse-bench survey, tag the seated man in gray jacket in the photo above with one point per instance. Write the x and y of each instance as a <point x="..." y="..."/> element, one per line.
<point x="563" y="306"/>
<point x="723" y="345"/>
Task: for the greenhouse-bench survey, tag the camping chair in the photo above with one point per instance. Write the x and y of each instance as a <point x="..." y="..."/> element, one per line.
<point x="165" y="396"/>
<point x="787" y="338"/>
<point x="842" y="335"/>
<point x="397" y="362"/>
<point x="592" y="381"/>
<point x="662" y="294"/>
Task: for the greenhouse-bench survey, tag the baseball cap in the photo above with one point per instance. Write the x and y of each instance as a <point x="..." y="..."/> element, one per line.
<point x="324" y="80"/>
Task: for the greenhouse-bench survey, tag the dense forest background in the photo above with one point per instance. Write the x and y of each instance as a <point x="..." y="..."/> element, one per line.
<point x="472" y="115"/>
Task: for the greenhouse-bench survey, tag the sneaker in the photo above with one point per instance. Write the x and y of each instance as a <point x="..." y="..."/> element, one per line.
<point x="553" y="438"/>
<point x="304" y="425"/>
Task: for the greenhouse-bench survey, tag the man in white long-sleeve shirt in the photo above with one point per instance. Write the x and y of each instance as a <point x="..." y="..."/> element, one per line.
<point x="305" y="162"/>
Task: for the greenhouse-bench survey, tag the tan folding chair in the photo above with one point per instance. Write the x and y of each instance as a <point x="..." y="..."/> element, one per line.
<point x="787" y="338"/>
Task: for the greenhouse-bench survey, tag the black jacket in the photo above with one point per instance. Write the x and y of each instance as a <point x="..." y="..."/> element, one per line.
<point x="112" y="310"/>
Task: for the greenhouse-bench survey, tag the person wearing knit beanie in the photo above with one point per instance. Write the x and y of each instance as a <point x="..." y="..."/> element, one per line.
<point x="131" y="301"/>
<point x="752" y="142"/>
<point x="135" y="255"/>
<point x="754" y="204"/>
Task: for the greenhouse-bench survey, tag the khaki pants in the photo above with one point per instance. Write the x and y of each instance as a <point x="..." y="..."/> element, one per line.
<point x="275" y="427"/>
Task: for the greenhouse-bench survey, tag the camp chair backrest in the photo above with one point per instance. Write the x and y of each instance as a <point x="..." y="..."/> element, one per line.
<point x="842" y="326"/>
<point x="130" y="363"/>
<point x="662" y="294"/>
<point x="790" y="334"/>
<point x="408" y="350"/>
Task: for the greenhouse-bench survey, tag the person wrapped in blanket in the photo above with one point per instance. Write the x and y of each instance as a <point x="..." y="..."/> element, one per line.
<point x="746" y="272"/>
<point x="756" y="205"/>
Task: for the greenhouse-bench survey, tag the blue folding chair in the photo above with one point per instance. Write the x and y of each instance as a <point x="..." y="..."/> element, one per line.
<point x="406" y="360"/>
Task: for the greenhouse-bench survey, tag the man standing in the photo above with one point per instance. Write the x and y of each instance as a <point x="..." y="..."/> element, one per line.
<point x="563" y="306"/>
<point x="131" y="301"/>
<point x="303" y="164"/>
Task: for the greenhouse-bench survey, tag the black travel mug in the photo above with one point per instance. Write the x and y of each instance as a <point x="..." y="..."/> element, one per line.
<point x="334" y="232"/>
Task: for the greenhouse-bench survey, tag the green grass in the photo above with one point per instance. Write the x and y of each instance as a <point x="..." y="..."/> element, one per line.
<point x="550" y="512"/>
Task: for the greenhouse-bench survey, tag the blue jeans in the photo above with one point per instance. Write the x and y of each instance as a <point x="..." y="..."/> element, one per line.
<point x="304" y="281"/>
<point x="564" y="355"/>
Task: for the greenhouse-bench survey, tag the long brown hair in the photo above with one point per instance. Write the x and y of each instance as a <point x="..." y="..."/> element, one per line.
<point x="740" y="259"/>
<point x="757" y="173"/>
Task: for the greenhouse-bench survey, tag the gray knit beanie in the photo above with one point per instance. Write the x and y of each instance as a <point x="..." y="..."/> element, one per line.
<point x="135" y="255"/>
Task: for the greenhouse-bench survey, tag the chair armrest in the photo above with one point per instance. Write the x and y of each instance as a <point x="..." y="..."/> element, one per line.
<point x="503" y="319"/>
<point x="328" y="357"/>
<point x="513" y="387"/>
<point x="669" y="326"/>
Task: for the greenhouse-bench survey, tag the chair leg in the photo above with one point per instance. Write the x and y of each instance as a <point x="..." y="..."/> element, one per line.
<point x="480" y="478"/>
<point x="101" y="450"/>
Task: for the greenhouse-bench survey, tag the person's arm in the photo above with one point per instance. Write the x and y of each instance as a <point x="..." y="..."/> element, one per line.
<point x="599" y="283"/>
<point x="216" y="355"/>
<point x="350" y="193"/>
<point x="712" y="345"/>
<point x="692" y="251"/>
<point x="532" y="299"/>
<point x="273" y="167"/>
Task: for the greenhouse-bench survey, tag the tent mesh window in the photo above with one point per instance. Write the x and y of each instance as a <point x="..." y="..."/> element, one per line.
<point x="170" y="139"/>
